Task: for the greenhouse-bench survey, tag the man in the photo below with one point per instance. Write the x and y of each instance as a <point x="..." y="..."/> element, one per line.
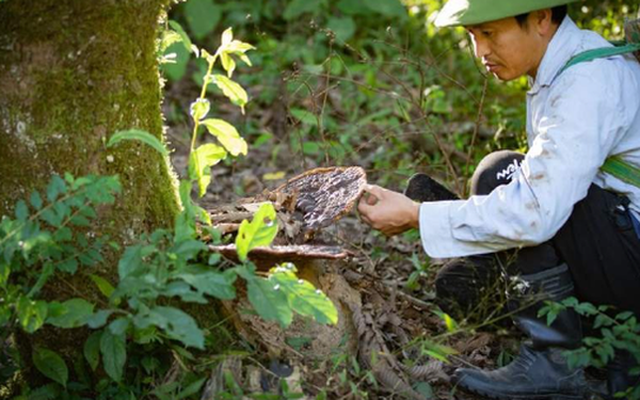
<point x="575" y="226"/>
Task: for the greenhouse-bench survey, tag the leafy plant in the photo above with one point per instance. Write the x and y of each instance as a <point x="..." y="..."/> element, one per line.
<point x="620" y="332"/>
<point x="52" y="234"/>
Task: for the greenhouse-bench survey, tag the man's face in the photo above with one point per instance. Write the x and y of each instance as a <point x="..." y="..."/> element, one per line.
<point x="506" y="49"/>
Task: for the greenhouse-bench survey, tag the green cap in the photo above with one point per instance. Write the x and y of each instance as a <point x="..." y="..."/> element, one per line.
<point x="473" y="12"/>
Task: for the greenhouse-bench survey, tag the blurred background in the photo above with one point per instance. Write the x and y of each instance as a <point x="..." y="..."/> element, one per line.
<point x="351" y="82"/>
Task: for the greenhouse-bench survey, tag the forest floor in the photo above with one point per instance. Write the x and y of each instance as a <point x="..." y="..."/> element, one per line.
<point x="393" y="278"/>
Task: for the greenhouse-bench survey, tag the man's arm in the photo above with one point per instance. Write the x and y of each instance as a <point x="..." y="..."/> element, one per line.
<point x="572" y="142"/>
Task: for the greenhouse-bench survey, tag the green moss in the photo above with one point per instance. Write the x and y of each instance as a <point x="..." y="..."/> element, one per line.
<point x="73" y="73"/>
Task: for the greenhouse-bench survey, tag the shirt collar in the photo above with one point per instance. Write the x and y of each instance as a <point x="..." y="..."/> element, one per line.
<point x="561" y="48"/>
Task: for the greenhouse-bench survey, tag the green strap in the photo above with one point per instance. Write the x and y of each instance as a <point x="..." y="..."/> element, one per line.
<point x="614" y="165"/>
<point x="603" y="52"/>
<point x="622" y="170"/>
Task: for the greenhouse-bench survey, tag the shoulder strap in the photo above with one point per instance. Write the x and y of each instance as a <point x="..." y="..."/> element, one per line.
<point x="614" y="165"/>
<point x="602" y="52"/>
<point x="622" y="170"/>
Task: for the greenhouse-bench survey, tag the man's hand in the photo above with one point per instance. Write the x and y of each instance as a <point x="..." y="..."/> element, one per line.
<point x="387" y="211"/>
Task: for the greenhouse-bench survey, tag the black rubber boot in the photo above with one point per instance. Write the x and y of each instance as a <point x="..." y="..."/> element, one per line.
<point x="619" y="378"/>
<point x="540" y="371"/>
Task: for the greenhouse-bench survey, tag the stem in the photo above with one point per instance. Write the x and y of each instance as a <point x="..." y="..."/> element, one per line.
<point x="203" y="92"/>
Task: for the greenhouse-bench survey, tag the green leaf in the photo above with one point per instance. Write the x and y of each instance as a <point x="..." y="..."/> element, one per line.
<point x="192" y="389"/>
<point x="22" y="211"/>
<point x="119" y="326"/>
<point x="450" y="323"/>
<point x="303" y="297"/>
<point x="141" y="136"/>
<point x="185" y="221"/>
<point x="31" y="314"/>
<point x="4" y="274"/>
<point x="103" y="285"/>
<point x="354" y="7"/>
<point x="186" y="41"/>
<point x="227" y="63"/>
<point x="168" y="38"/>
<point x="178" y="68"/>
<point x="130" y="261"/>
<point x="227" y="135"/>
<point x="45" y="274"/>
<point x="5" y="315"/>
<point x="75" y="313"/>
<point x="388" y="8"/>
<point x="270" y="302"/>
<point x="296" y="8"/>
<point x="199" y="109"/>
<point x="56" y="187"/>
<point x="424" y="389"/>
<point x="200" y="162"/>
<point x="304" y="116"/>
<point x="69" y="266"/>
<point x="51" y="365"/>
<point x="342" y="27"/>
<point x="36" y="200"/>
<point x="231" y="89"/>
<point x="216" y="284"/>
<point x="91" y="349"/>
<point x="180" y="326"/>
<point x="98" y="319"/>
<point x="188" y="249"/>
<point x="260" y="232"/>
<point x="49" y="391"/>
<point x="202" y="16"/>
<point x="114" y="354"/>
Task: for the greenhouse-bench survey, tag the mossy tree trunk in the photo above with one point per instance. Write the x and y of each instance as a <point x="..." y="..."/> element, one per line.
<point x="73" y="72"/>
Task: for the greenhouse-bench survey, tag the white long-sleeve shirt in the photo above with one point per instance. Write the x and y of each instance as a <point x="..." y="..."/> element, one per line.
<point x="575" y="120"/>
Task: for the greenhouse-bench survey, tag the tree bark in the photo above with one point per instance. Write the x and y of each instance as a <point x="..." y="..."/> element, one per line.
<point x="72" y="73"/>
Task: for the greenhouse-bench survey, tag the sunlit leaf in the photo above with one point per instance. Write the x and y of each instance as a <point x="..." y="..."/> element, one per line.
<point x="259" y="232"/>
<point x="227" y="37"/>
<point x="274" y="176"/>
<point x="103" y="285"/>
<point x="303" y="297"/>
<point x="231" y="89"/>
<point x="186" y="41"/>
<point x="227" y="135"/>
<point x="138" y="135"/>
<point x="199" y="109"/>
<point x="31" y="314"/>
<point x="200" y="162"/>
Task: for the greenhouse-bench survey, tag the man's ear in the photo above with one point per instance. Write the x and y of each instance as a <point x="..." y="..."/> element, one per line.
<point x="543" y="21"/>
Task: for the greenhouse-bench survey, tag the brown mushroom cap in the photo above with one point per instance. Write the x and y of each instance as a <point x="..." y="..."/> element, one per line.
<point x="324" y="195"/>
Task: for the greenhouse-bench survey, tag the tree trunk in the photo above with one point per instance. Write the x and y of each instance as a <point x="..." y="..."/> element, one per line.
<point x="73" y="72"/>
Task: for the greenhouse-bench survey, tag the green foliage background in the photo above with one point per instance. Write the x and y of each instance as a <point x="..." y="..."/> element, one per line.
<point x="366" y="83"/>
